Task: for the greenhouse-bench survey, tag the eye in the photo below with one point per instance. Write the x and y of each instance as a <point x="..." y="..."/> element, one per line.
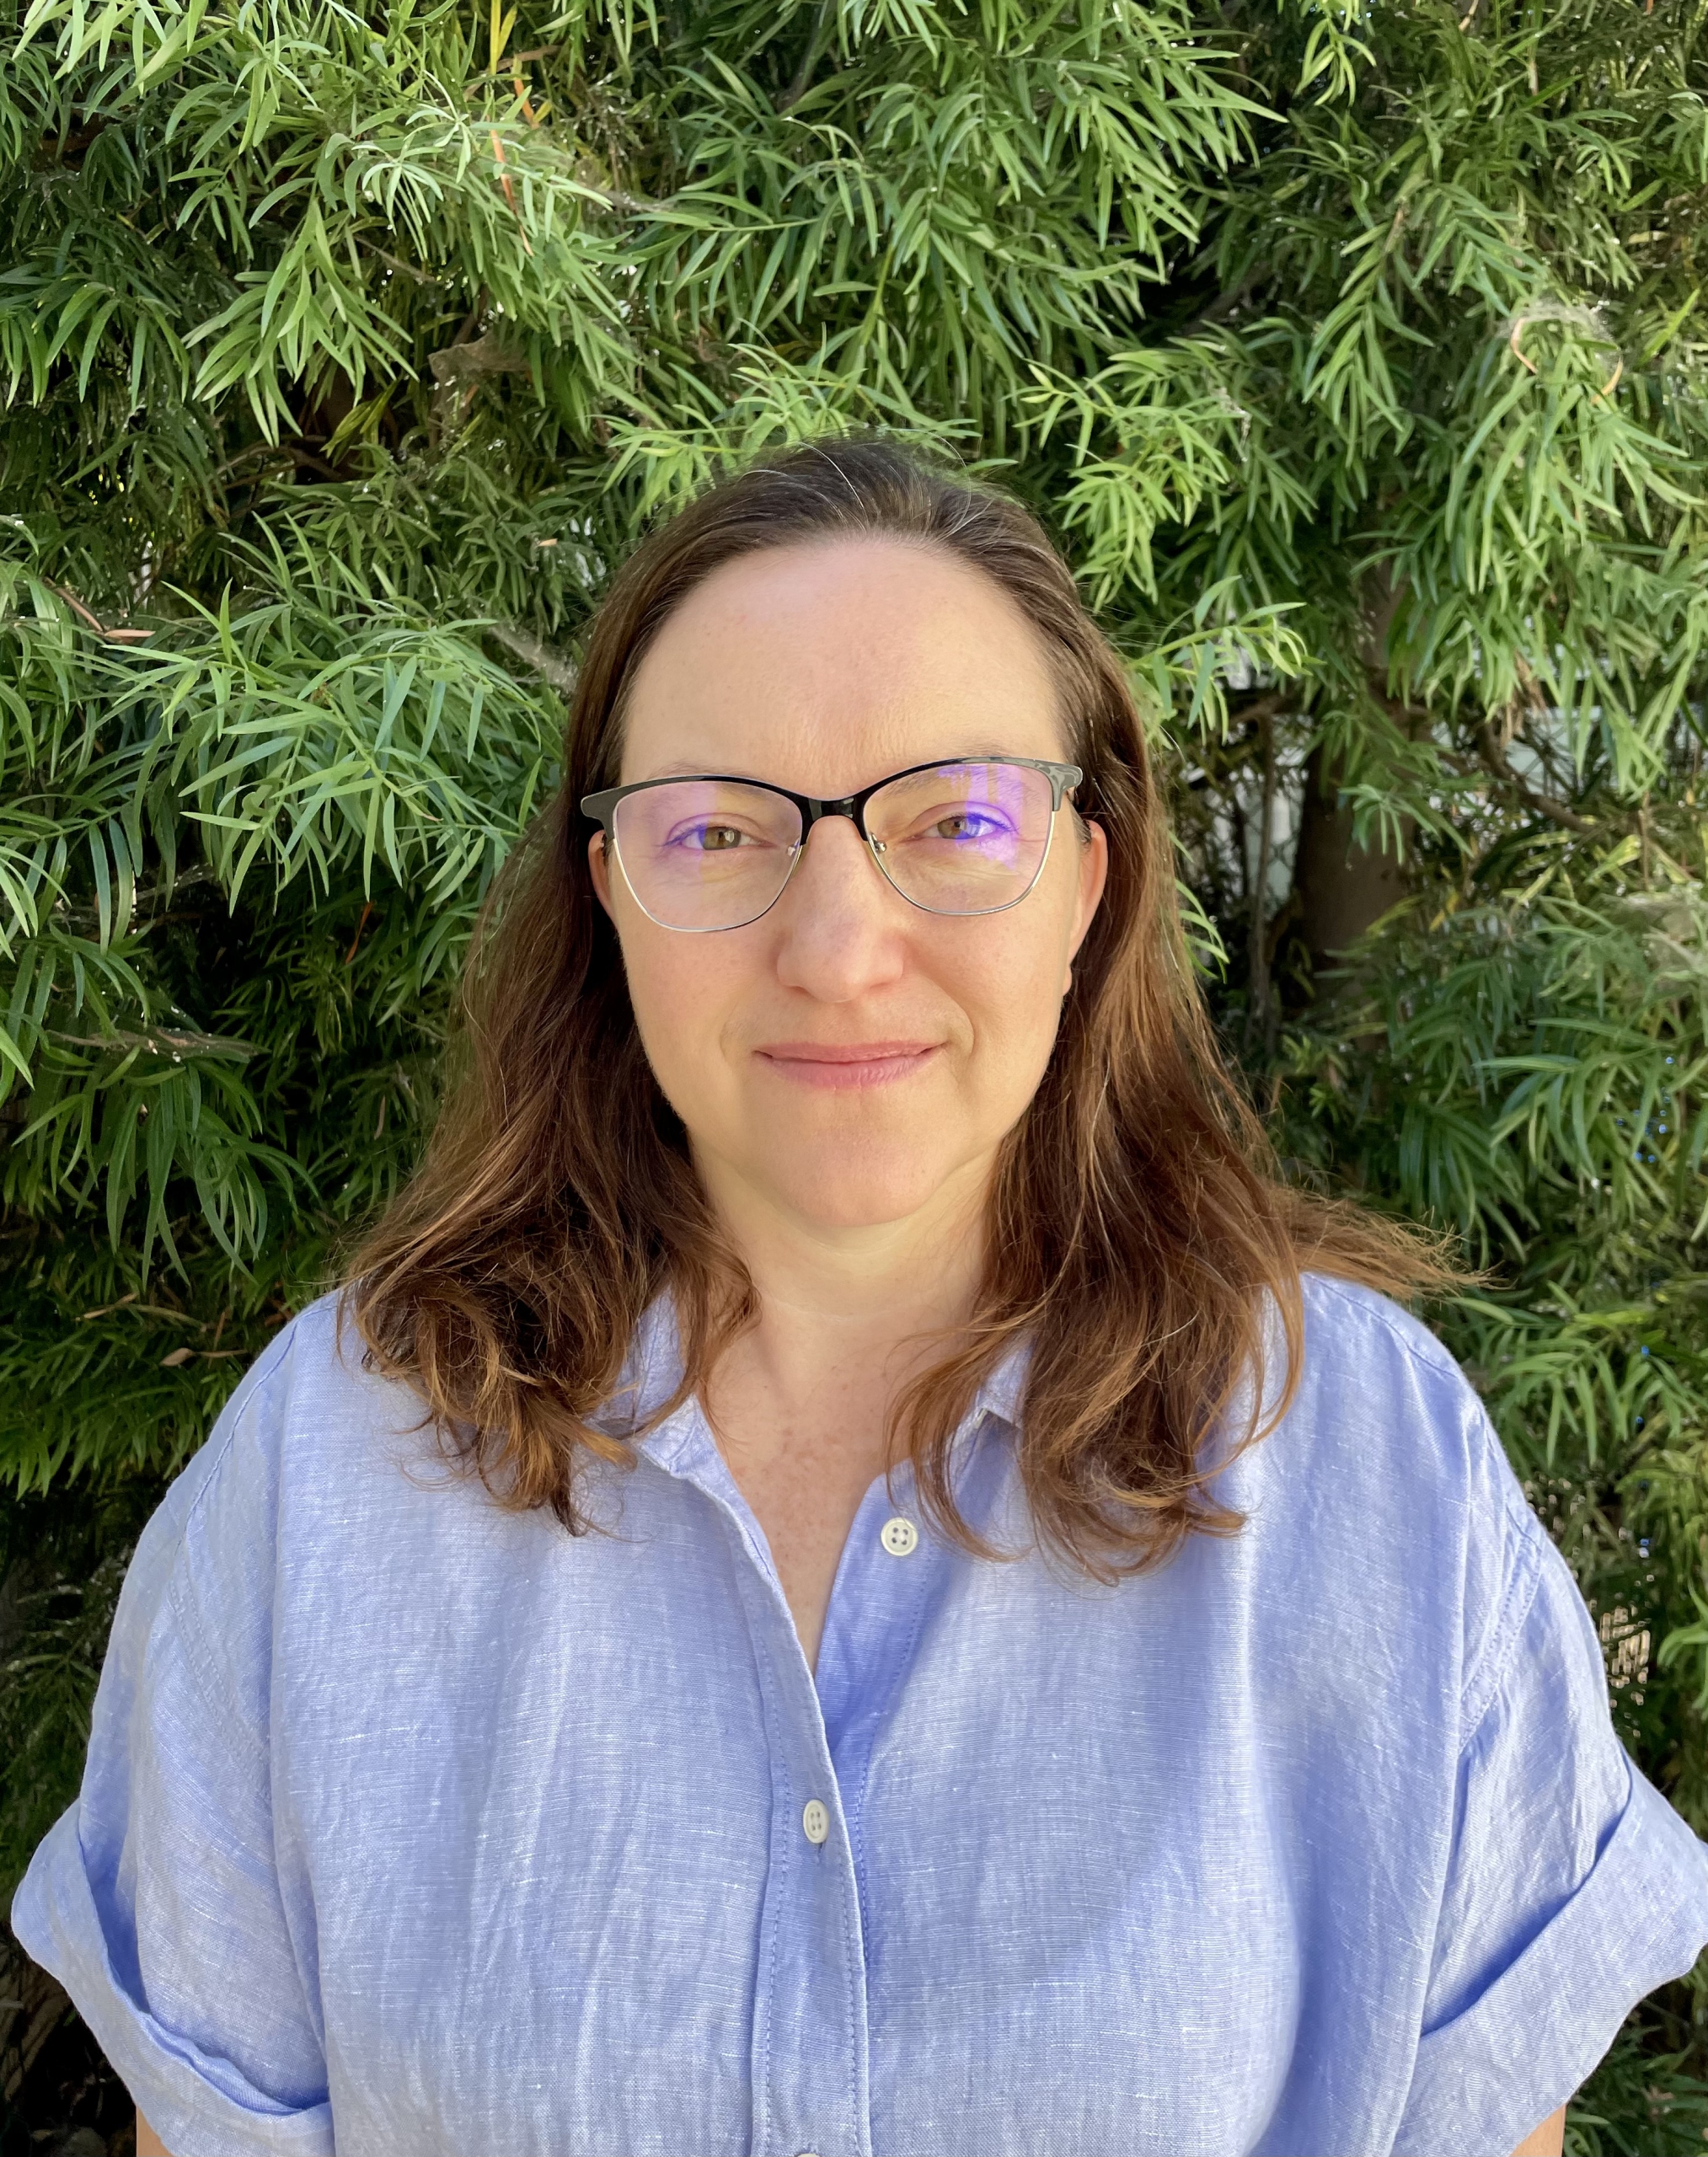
<point x="710" y="838"/>
<point x="962" y="826"/>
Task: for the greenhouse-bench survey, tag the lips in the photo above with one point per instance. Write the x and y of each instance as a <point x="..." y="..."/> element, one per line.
<point x="847" y="1065"/>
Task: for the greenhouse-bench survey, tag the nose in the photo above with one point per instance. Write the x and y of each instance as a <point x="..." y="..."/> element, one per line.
<point x="841" y="926"/>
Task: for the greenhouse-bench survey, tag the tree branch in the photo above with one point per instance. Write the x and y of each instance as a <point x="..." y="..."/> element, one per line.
<point x="801" y="80"/>
<point x="551" y="665"/>
<point x="1269" y="705"/>
<point x="1544" y="805"/>
<point x="159" y="1042"/>
<point x="1259" y="1007"/>
<point x="94" y="621"/>
<point x="1225" y="303"/>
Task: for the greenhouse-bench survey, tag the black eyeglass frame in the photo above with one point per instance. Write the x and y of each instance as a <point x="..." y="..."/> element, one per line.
<point x="601" y="808"/>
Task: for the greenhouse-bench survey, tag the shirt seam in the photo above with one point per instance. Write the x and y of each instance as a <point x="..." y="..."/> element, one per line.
<point x="1442" y="1364"/>
<point x="222" y="1711"/>
<point x="259" y="1373"/>
<point x="1484" y="1681"/>
<point x="189" y="1628"/>
<point x="1518" y="1598"/>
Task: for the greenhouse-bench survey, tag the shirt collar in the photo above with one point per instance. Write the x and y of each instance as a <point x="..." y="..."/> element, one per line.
<point x="652" y="1370"/>
<point x="1002" y="1391"/>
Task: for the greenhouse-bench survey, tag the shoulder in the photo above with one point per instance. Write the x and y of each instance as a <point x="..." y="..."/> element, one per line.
<point x="1386" y="1488"/>
<point x="306" y="1429"/>
<point x="1382" y="1398"/>
<point x="1386" y="1404"/>
<point x="307" y="1388"/>
<point x="1355" y="1333"/>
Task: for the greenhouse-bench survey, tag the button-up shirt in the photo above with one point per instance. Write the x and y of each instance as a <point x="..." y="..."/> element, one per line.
<point x="412" y="1824"/>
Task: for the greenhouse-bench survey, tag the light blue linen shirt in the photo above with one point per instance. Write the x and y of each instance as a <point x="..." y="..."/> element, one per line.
<point x="413" y="1825"/>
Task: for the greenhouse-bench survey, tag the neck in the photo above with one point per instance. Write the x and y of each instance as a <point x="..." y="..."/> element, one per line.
<point x="851" y="1311"/>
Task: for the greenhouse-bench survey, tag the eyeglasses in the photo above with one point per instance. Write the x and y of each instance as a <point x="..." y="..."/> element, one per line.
<point x="705" y="853"/>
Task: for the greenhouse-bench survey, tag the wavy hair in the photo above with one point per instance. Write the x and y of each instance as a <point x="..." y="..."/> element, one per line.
<point x="1139" y="1227"/>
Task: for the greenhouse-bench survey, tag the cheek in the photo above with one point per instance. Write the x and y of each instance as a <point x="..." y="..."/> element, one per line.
<point x="1007" y="976"/>
<point x="682" y="994"/>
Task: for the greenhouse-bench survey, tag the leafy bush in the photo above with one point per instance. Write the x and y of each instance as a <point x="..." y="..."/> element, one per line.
<point x="1355" y="352"/>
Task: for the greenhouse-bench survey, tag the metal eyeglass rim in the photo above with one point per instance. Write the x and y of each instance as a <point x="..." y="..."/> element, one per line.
<point x="601" y="808"/>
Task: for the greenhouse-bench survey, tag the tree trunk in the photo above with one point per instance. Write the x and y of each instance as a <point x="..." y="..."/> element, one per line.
<point x="1342" y="888"/>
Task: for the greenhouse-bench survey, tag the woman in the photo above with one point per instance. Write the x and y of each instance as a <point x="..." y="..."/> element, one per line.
<point x="946" y="1612"/>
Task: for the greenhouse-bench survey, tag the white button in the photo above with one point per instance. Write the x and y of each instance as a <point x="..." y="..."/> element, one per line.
<point x="814" y="1819"/>
<point x="899" y="1536"/>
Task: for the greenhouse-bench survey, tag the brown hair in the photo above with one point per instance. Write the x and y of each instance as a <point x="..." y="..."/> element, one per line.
<point x="1138" y="1219"/>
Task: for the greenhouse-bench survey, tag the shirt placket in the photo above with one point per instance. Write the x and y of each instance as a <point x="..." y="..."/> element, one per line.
<point x="810" y="2090"/>
<point x="882" y="1592"/>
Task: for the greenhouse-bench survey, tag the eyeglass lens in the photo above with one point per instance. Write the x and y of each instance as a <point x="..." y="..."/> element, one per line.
<point x="702" y="853"/>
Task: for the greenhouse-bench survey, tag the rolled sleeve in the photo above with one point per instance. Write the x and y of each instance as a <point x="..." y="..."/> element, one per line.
<point x="156" y="1901"/>
<point x="1573" y="1890"/>
<point x="198" y="2101"/>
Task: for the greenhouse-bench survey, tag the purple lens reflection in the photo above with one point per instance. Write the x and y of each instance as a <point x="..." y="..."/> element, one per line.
<point x="702" y="853"/>
<point x="963" y="838"/>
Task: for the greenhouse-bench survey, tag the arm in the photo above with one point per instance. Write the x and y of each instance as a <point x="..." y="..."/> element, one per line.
<point x="149" y="2144"/>
<point x="1548" y="2140"/>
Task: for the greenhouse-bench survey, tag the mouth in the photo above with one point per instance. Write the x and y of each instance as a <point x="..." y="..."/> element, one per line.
<point x="847" y="1066"/>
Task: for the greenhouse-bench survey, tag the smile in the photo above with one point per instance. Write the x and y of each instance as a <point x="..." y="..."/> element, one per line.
<point x="861" y="1063"/>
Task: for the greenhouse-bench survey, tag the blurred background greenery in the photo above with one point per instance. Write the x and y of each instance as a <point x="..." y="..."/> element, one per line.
<point x="1354" y="349"/>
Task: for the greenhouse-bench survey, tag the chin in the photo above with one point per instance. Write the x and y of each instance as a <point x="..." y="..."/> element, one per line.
<point x="847" y="1191"/>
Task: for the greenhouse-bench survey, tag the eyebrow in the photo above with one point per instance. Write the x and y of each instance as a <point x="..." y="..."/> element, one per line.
<point x="681" y="768"/>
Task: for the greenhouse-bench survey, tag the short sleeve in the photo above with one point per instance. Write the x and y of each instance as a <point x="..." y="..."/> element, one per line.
<point x="157" y="1900"/>
<point x="1573" y="1888"/>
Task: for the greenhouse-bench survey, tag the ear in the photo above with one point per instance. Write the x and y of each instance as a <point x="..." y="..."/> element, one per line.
<point x="1094" y="874"/>
<point x="599" y="867"/>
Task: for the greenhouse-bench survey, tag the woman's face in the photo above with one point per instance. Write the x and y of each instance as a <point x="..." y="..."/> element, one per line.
<point x="847" y="1058"/>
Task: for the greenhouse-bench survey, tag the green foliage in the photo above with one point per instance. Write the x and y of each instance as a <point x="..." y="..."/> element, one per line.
<point x="1642" y="2101"/>
<point x="1358" y="354"/>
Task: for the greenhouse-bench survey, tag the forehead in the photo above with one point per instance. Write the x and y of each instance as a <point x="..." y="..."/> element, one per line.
<point x="824" y="666"/>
